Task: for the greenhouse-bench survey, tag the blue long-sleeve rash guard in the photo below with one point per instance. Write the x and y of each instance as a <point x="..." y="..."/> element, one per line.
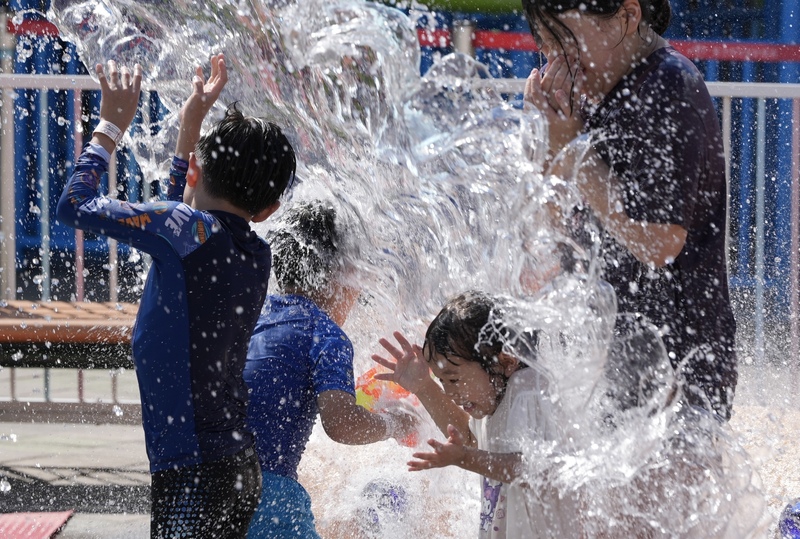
<point x="205" y="289"/>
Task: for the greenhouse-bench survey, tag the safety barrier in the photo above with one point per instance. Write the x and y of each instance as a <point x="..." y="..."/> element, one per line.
<point x="749" y="261"/>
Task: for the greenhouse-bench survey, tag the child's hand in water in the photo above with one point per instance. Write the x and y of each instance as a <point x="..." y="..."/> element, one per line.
<point x="119" y="93"/>
<point x="204" y="95"/>
<point x="450" y="453"/>
<point x="402" y="424"/>
<point x="409" y="370"/>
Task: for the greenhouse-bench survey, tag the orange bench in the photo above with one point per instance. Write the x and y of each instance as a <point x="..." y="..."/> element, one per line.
<point x="59" y="334"/>
<point x="65" y="334"/>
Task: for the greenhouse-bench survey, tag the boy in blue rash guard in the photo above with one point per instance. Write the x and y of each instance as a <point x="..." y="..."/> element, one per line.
<point x="300" y="363"/>
<point x="206" y="286"/>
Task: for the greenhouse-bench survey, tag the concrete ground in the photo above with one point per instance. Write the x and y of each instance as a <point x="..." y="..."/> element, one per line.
<point x="101" y="471"/>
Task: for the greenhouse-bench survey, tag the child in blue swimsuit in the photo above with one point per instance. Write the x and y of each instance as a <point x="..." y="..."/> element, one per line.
<point x="205" y="288"/>
<point x="300" y="364"/>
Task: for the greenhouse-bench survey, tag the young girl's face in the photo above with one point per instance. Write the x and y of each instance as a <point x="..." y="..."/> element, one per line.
<point x="596" y="48"/>
<point x="468" y="384"/>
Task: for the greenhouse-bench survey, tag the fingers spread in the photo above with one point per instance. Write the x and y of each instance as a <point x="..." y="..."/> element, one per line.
<point x="113" y="74"/>
<point x="137" y="78"/>
<point x="403" y="341"/>
<point x="101" y="76"/>
<point x="436" y="445"/>
<point x="126" y="77"/>
<point x="218" y="68"/>
<point x="383" y="361"/>
<point x="418" y="466"/>
<point x="390" y="348"/>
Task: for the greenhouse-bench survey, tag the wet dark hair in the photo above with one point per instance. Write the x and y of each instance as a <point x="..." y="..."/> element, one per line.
<point x="472" y="326"/>
<point x="247" y="161"/>
<point x="657" y="13"/>
<point x="305" y="247"/>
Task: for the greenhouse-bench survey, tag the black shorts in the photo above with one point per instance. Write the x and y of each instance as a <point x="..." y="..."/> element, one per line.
<point x="209" y="500"/>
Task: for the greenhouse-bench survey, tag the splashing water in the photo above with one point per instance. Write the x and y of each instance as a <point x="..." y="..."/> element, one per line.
<point x="440" y="181"/>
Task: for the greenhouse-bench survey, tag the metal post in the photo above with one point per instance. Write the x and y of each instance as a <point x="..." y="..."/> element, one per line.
<point x="8" y="243"/>
<point x="461" y="36"/>
<point x="726" y="144"/>
<point x="44" y="187"/>
<point x="113" y="259"/>
<point x="794" y="305"/>
<point x="44" y="208"/>
<point x="79" y="290"/>
<point x="760" y="226"/>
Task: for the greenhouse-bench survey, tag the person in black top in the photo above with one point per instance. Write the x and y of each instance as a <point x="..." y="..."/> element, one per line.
<point x="653" y="177"/>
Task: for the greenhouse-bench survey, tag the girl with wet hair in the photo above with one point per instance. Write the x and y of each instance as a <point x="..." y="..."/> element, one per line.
<point x="653" y="176"/>
<point x="488" y="403"/>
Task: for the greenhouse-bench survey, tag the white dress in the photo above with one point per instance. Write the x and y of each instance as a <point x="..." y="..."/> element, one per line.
<point x="526" y="413"/>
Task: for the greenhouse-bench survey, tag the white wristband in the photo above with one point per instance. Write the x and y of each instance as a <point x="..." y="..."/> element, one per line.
<point x="110" y="130"/>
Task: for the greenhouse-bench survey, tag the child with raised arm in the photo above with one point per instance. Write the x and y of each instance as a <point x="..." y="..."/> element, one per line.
<point x="489" y="404"/>
<point x="205" y="288"/>
<point x="300" y="364"/>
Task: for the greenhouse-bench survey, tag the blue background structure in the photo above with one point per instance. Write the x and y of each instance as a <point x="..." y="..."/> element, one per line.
<point x="757" y="21"/>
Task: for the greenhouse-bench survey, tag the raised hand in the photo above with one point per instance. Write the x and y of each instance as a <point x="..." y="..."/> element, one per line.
<point x="409" y="368"/>
<point x="205" y="92"/>
<point x="119" y="93"/>
<point x="557" y="94"/>
<point x="450" y="453"/>
<point x="204" y="95"/>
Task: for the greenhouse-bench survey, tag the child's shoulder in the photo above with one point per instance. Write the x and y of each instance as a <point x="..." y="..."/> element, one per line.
<point x="300" y="306"/>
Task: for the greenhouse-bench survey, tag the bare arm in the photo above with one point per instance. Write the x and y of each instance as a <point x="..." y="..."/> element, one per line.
<point x="504" y="467"/>
<point x="651" y="243"/>
<point x="444" y="411"/>
<point x="348" y="423"/>
<point x="410" y="370"/>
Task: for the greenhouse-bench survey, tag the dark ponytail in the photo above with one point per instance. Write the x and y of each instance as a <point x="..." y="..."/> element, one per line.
<point x="657" y="13"/>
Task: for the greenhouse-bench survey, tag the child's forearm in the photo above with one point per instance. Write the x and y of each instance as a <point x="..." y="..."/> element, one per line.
<point x="650" y="243"/>
<point x="347" y="423"/>
<point x="188" y="136"/>
<point x="82" y="188"/>
<point x="445" y="412"/>
<point x="504" y="467"/>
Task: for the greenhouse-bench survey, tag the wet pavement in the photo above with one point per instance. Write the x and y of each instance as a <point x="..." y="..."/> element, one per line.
<point x="99" y="471"/>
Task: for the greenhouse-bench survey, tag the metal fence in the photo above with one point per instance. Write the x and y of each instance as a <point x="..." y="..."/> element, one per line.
<point x="748" y="245"/>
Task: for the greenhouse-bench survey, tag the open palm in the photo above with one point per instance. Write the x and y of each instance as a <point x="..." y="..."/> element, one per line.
<point x="409" y="368"/>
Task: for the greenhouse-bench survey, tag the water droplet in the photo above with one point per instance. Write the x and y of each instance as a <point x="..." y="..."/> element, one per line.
<point x="117" y="410"/>
<point x="5" y="486"/>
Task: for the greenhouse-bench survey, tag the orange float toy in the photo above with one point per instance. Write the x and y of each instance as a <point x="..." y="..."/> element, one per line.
<point x="378" y="395"/>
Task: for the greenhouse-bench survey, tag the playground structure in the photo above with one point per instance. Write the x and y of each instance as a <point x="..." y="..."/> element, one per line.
<point x="760" y="113"/>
